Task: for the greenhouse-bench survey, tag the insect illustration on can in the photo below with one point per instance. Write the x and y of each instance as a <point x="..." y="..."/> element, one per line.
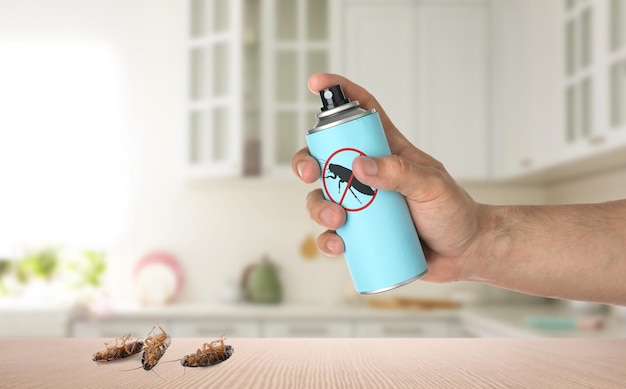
<point x="118" y="348"/>
<point x="345" y="175"/>
<point x="210" y="354"/>
<point x="154" y="348"/>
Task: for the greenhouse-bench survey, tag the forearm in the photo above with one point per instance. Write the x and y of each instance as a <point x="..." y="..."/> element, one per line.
<point x="566" y="251"/>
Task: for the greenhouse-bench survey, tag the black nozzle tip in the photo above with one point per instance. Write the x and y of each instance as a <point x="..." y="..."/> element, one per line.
<point x="332" y="97"/>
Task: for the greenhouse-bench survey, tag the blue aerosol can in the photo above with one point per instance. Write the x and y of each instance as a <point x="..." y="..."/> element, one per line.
<point x="382" y="248"/>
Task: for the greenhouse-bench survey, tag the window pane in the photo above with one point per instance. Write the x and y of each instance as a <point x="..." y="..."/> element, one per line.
<point x="317" y="20"/>
<point x="617" y="20"/>
<point x="287" y="133"/>
<point x="317" y="61"/>
<point x="586" y="97"/>
<point x="570" y="47"/>
<point x="221" y="69"/>
<point x="569" y="4"/>
<point x="221" y="15"/>
<point x="586" y="38"/>
<point x="618" y="88"/>
<point x="286" y="76"/>
<point x="286" y="18"/>
<point x="220" y="133"/>
<point x="199" y="137"/>
<point x="197" y="13"/>
<point x="570" y="113"/>
<point x="198" y="78"/>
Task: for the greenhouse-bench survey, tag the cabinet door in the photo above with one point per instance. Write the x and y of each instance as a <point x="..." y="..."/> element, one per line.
<point x="414" y="328"/>
<point x="307" y="329"/>
<point x="295" y="45"/>
<point x="211" y="328"/>
<point x="113" y="328"/>
<point x="452" y="86"/>
<point x="23" y="323"/>
<point x="214" y="103"/>
<point x="426" y="64"/>
<point x="526" y="73"/>
<point x="377" y="51"/>
<point x="594" y="129"/>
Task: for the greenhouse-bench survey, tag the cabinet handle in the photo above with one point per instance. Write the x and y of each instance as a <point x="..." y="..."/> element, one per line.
<point x="402" y="330"/>
<point x="597" y="140"/>
<point x="308" y="330"/>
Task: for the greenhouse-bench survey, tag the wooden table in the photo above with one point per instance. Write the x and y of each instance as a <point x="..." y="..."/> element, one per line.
<point x="328" y="363"/>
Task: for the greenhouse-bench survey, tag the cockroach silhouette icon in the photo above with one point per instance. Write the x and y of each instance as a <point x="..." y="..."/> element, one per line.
<point x="337" y="169"/>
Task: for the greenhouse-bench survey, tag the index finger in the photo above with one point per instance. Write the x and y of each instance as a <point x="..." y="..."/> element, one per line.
<point x="319" y="81"/>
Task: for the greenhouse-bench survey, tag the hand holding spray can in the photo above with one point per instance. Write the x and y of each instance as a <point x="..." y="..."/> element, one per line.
<point x="382" y="248"/>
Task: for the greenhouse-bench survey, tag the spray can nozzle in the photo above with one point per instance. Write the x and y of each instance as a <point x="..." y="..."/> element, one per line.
<point x="332" y="97"/>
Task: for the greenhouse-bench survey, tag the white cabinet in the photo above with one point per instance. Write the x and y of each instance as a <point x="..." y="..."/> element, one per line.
<point x="33" y="323"/>
<point x="113" y="328"/>
<point x="593" y="89"/>
<point x="248" y="106"/>
<point x="214" y="328"/>
<point x="452" y="85"/>
<point x="307" y="328"/>
<point x="269" y="322"/>
<point x="296" y="39"/>
<point x="409" y="328"/>
<point x="426" y="64"/>
<point x="194" y="328"/>
<point x="525" y="80"/>
<point x="214" y="109"/>
<point x="558" y="106"/>
<point x="376" y="50"/>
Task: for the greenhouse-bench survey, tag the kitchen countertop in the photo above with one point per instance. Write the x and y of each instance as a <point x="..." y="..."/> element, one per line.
<point x="324" y="363"/>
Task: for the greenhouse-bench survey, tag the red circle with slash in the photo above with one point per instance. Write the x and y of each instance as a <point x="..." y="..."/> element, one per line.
<point x="339" y="172"/>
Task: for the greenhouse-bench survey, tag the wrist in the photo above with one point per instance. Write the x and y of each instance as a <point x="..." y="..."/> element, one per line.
<point x="493" y="243"/>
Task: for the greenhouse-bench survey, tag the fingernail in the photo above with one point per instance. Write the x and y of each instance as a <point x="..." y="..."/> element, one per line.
<point x="334" y="247"/>
<point x="300" y="167"/>
<point x="369" y="166"/>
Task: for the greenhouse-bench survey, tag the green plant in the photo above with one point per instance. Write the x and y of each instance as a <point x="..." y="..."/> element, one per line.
<point x="90" y="267"/>
<point x="40" y="264"/>
<point x="5" y="268"/>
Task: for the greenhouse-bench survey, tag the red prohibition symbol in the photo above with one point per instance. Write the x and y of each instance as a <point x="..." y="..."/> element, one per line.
<point x="351" y="193"/>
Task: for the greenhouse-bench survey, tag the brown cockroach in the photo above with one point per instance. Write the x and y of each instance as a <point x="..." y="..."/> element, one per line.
<point x="210" y="354"/>
<point x="154" y="348"/>
<point x="118" y="348"/>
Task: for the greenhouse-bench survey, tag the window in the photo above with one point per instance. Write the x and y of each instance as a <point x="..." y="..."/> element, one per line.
<point x="64" y="159"/>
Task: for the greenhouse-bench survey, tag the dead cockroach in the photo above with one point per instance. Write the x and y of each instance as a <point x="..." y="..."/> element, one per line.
<point x="154" y="348"/>
<point x="210" y="354"/>
<point x="118" y="348"/>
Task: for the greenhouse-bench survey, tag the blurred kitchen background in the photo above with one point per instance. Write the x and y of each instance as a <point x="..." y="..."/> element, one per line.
<point x="145" y="154"/>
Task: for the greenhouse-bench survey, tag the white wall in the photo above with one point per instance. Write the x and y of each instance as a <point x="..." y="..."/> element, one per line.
<point x="603" y="186"/>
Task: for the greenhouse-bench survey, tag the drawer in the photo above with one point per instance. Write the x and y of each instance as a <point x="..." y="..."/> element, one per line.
<point x="32" y="324"/>
<point x="211" y="328"/>
<point x="307" y="329"/>
<point x="113" y="328"/>
<point x="404" y="329"/>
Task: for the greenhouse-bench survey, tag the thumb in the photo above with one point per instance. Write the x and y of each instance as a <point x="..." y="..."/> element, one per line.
<point x="420" y="183"/>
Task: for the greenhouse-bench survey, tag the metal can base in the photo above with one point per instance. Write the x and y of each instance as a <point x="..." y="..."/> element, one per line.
<point x="381" y="290"/>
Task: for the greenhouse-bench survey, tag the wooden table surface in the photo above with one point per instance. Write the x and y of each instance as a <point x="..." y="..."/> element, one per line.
<point x="327" y="363"/>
